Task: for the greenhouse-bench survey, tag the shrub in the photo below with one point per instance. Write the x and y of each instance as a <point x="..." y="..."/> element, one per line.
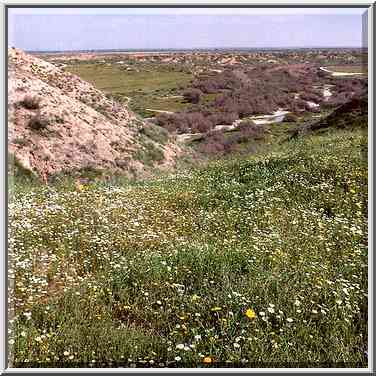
<point x="156" y="133"/>
<point x="184" y="122"/>
<point x="38" y="122"/>
<point x="31" y="102"/>
<point x="20" y="141"/>
<point x="89" y="173"/>
<point x="150" y="154"/>
<point x="192" y="95"/>
<point x="20" y="173"/>
<point x="311" y="97"/>
<point x="222" y="118"/>
<point x="244" y="109"/>
<point x="155" y="153"/>
<point x="338" y="99"/>
<point x="171" y="122"/>
<point x="245" y="124"/>
<point x="198" y="123"/>
<point x="219" y="143"/>
<point x="220" y="100"/>
<point x="213" y="144"/>
<point x="248" y="131"/>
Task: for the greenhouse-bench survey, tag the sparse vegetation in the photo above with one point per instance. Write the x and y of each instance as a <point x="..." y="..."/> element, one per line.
<point x="38" y="122"/>
<point x="192" y="95"/>
<point x="20" y="174"/>
<point x="31" y="102"/>
<point x="242" y="140"/>
<point x="20" y="141"/>
<point x="149" y="154"/>
<point x="156" y="133"/>
<point x="59" y="119"/>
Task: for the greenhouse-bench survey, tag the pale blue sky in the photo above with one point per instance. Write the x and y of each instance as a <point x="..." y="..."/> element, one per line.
<point x="77" y="29"/>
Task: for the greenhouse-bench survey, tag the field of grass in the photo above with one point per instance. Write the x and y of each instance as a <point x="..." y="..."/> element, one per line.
<point x="147" y="88"/>
<point x="255" y="262"/>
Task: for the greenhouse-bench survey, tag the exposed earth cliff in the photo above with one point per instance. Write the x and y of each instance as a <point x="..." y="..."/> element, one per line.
<point x="58" y="122"/>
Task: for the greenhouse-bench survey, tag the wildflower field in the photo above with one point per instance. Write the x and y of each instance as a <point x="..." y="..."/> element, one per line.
<point x="253" y="262"/>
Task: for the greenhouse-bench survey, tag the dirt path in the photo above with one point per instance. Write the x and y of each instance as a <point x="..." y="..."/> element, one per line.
<point x="276" y="117"/>
<point x="159" y="111"/>
<point x="185" y="137"/>
<point x="337" y="74"/>
<point x="172" y="97"/>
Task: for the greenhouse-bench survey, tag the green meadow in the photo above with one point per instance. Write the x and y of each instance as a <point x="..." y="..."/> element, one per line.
<point x="253" y="261"/>
<point x="149" y="87"/>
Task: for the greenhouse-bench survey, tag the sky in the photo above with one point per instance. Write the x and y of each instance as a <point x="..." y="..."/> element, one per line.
<point x="60" y="29"/>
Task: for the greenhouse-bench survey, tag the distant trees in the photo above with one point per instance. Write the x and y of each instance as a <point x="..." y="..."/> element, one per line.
<point x="222" y="118"/>
<point x="197" y="122"/>
<point x="240" y="93"/>
<point x="184" y="122"/>
<point x="210" y="84"/>
<point x="216" y="143"/>
<point x="338" y="99"/>
<point x="312" y="97"/>
<point x="171" y="122"/>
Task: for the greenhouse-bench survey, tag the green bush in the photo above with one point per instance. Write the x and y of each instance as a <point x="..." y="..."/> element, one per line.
<point x="156" y="133"/>
<point x="149" y="154"/>
<point x="20" y="141"/>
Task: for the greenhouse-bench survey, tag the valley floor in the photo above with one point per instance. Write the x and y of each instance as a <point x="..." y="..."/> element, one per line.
<point x="252" y="262"/>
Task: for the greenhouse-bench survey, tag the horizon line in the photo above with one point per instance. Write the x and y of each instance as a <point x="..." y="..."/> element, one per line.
<point x="193" y="48"/>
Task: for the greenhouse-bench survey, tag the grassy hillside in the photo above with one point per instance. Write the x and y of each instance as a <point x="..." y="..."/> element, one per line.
<point x="350" y="115"/>
<point x="257" y="262"/>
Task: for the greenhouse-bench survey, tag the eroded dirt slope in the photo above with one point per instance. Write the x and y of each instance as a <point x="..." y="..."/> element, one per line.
<point x="58" y="122"/>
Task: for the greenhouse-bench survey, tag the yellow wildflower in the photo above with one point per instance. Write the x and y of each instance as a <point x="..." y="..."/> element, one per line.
<point x="215" y="309"/>
<point x="79" y="186"/>
<point x="207" y="360"/>
<point x="250" y="313"/>
<point x="195" y="297"/>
